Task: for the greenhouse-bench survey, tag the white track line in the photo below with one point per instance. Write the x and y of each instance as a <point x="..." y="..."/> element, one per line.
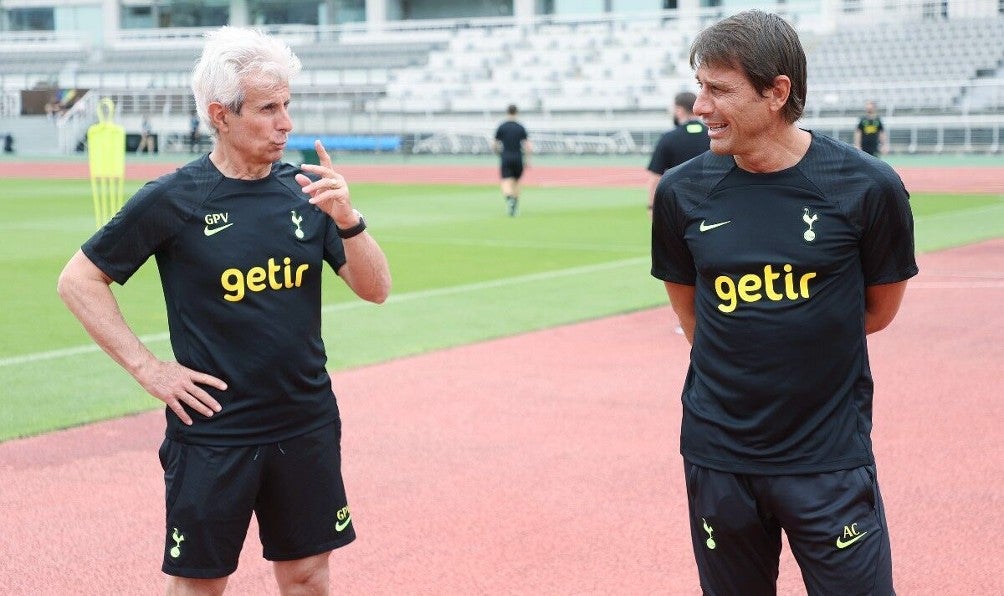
<point x="962" y="285"/>
<point x="576" y="246"/>
<point x="509" y="281"/>
<point x="474" y="287"/>
<point x="344" y="306"/>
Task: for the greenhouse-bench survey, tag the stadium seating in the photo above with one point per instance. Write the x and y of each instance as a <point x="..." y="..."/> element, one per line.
<point x="918" y="67"/>
<point x="609" y="74"/>
<point x="906" y="67"/>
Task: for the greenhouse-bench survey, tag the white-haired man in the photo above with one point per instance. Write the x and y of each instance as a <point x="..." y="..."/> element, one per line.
<point x="240" y="240"/>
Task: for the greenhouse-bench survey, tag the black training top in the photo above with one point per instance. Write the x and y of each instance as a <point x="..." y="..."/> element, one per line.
<point x="512" y="134"/>
<point x="240" y="262"/>
<point x="779" y="381"/>
<point x="684" y="142"/>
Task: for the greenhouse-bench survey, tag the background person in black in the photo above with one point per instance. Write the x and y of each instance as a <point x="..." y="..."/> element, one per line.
<point x="194" y="135"/>
<point x="687" y="140"/>
<point x="511" y="142"/>
<point x="240" y="240"/>
<point x="869" y="136"/>
<point x="780" y="250"/>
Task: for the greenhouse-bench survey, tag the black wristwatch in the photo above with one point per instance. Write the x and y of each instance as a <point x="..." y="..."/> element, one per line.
<point x="354" y="230"/>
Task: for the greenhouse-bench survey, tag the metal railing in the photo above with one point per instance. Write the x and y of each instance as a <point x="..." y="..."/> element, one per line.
<point x="330" y="112"/>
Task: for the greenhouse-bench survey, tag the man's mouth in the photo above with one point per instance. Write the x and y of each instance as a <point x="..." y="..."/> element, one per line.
<point x="715" y="128"/>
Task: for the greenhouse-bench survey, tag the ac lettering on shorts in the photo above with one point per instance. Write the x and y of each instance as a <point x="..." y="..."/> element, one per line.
<point x="258" y="279"/>
<point x="754" y="287"/>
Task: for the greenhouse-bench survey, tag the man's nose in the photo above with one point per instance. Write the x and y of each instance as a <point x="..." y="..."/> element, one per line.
<point x="285" y="122"/>
<point x="702" y="105"/>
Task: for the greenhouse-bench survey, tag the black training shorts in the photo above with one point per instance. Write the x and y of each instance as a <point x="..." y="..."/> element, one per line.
<point x="834" y="522"/>
<point x="512" y="167"/>
<point x="294" y="488"/>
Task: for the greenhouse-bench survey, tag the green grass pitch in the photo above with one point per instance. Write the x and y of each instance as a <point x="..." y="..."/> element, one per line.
<point x="463" y="272"/>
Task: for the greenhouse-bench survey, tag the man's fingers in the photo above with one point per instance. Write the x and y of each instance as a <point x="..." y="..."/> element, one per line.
<point x="180" y="387"/>
<point x="331" y="191"/>
<point x="322" y="154"/>
<point x="329" y="180"/>
<point x="180" y="412"/>
<point x="325" y="185"/>
<point x="201" y="402"/>
<point x="205" y="404"/>
<point x="207" y="379"/>
<point x="197" y="400"/>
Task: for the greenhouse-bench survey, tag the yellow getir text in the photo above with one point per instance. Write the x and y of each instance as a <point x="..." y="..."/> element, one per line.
<point x="753" y="287"/>
<point x="273" y="276"/>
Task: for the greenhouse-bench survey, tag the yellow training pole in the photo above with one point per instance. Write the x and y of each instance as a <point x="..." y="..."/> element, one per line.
<point x="106" y="156"/>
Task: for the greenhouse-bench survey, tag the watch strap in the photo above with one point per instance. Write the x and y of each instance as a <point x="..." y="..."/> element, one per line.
<point x="354" y="230"/>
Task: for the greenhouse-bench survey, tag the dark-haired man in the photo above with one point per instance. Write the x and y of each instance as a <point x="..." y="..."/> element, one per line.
<point x="780" y="249"/>
<point x="688" y="139"/>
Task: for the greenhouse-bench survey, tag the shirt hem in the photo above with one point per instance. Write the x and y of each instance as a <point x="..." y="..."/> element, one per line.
<point x="773" y="469"/>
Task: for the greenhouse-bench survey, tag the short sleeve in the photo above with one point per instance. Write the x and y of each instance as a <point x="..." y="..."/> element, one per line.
<point x="334" y="248"/>
<point x="148" y="221"/>
<point x="887" y="242"/>
<point x="672" y="260"/>
<point x="660" y="161"/>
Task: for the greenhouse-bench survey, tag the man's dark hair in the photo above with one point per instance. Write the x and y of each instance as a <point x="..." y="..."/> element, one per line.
<point x="763" y="46"/>
<point x="685" y="100"/>
<point x="511" y="110"/>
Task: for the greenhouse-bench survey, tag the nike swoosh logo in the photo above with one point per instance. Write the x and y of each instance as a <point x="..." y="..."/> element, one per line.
<point x="210" y="231"/>
<point x="705" y="227"/>
<point x="341" y="525"/>
<point x="842" y="544"/>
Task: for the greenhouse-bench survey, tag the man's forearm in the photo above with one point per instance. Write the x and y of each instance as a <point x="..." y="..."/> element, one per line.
<point x="366" y="270"/>
<point x="882" y="303"/>
<point x="653" y="183"/>
<point x="92" y="302"/>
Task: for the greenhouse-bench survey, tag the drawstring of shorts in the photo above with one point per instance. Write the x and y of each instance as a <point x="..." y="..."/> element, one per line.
<point x="257" y="451"/>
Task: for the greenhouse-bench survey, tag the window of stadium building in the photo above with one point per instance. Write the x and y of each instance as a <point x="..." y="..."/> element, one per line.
<point x="301" y="12"/>
<point x="465" y="9"/>
<point x="175" y="13"/>
<point x="306" y="12"/>
<point x="30" y="19"/>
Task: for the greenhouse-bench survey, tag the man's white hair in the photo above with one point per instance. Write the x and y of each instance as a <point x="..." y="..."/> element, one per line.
<point x="234" y="56"/>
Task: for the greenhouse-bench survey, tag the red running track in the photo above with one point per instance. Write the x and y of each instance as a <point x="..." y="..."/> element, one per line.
<point x="954" y="179"/>
<point x="547" y="464"/>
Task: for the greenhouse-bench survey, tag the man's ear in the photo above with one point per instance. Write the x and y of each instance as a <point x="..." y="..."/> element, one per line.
<point x="778" y="94"/>
<point x="218" y="115"/>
